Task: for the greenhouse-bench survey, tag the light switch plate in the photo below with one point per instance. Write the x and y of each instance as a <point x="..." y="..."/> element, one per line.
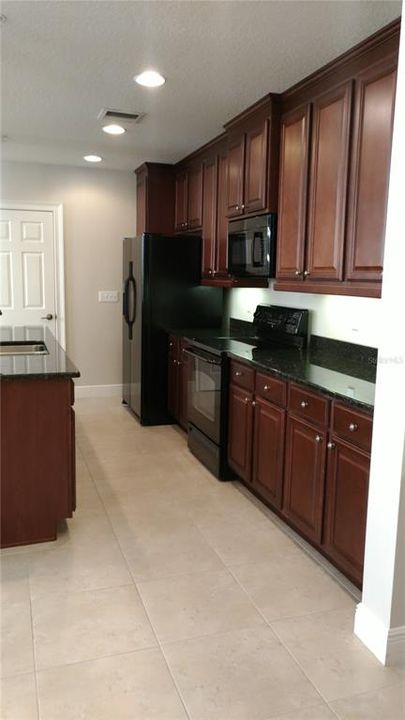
<point x="108" y="296"/>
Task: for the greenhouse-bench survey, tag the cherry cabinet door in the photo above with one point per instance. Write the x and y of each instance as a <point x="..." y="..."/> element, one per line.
<point x="221" y="265"/>
<point x="294" y="154"/>
<point x="209" y="226"/>
<point x="371" y="155"/>
<point x="255" y="191"/>
<point x="141" y="202"/>
<point x="236" y="164"/>
<point x="304" y="477"/>
<point x="181" y="201"/>
<point x="328" y="184"/>
<point x="346" y="508"/>
<point x="268" y="451"/>
<point x="173" y="387"/>
<point x="195" y="196"/>
<point x="240" y="432"/>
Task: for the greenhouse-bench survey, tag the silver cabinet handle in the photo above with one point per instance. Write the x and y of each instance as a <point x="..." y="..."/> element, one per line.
<point x="304" y="404"/>
<point x="238" y="373"/>
<point x="331" y="445"/>
<point x="237" y="207"/>
<point x="353" y="427"/>
<point x="298" y="273"/>
<point x="267" y="387"/>
<point x="318" y="438"/>
<point x="49" y="316"/>
<point x="246" y="400"/>
<point x="254" y="403"/>
<point x="242" y="207"/>
<point x="306" y="273"/>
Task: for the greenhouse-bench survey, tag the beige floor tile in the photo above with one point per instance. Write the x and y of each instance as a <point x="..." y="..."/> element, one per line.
<point x="240" y="675"/>
<point x="318" y="712"/>
<point x="334" y="659"/>
<point x="238" y="542"/>
<point x="135" y="686"/>
<point x="18" y="698"/>
<point x="292" y="585"/>
<point x="76" y="567"/>
<point x="16" y="652"/>
<point x="193" y="605"/>
<point x="14" y="574"/>
<point x="87" y="625"/>
<point x="171" y="552"/>
<point x="388" y="703"/>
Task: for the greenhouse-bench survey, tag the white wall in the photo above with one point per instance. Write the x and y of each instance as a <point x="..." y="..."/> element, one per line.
<point x="339" y="317"/>
<point x="99" y="210"/>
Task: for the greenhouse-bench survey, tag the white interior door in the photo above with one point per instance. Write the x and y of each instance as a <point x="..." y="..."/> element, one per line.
<point x="27" y="268"/>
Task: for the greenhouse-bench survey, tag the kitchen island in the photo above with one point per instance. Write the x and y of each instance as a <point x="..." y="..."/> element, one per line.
<point x="37" y="435"/>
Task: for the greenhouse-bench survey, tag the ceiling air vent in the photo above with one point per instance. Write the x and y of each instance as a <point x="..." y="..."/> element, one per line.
<point x="125" y="118"/>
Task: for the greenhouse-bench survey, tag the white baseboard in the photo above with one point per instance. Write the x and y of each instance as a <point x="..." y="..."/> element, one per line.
<point x="94" y="391"/>
<point x="387" y="644"/>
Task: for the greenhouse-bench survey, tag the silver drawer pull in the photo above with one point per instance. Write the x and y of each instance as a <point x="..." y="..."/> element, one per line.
<point x="267" y="387"/>
<point x="318" y="438"/>
<point x="353" y="427"/>
<point x="304" y="404"/>
<point x="246" y="400"/>
<point x="331" y="446"/>
<point x="238" y="373"/>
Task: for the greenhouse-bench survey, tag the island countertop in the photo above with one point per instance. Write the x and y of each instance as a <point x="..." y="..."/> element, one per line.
<point x="52" y="365"/>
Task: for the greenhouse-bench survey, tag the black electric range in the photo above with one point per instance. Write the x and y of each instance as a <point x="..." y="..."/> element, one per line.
<point x="208" y="378"/>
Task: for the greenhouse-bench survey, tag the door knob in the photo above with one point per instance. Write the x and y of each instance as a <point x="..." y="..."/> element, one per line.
<point x="304" y="404"/>
<point x="318" y="438"/>
<point x="353" y="427"/>
<point x="306" y="273"/>
<point x="49" y="316"/>
<point x="298" y="273"/>
<point x="331" y="445"/>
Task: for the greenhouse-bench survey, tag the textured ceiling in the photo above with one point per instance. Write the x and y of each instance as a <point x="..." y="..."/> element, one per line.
<point x="64" y="61"/>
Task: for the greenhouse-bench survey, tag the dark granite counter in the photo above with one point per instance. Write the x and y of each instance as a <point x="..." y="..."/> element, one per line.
<point x="334" y="368"/>
<point x="54" y="364"/>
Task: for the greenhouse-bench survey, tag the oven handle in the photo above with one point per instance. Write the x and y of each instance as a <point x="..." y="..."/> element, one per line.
<point x="203" y="356"/>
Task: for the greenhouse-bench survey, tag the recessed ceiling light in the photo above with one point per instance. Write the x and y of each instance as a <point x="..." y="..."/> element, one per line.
<point x="92" y="158"/>
<point x="150" y="78"/>
<point x="114" y="129"/>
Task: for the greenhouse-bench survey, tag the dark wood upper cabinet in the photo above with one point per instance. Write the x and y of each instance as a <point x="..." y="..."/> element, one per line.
<point x="209" y="224"/>
<point x="268" y="451"/>
<point x="294" y="157"/>
<point x="253" y="140"/>
<point x="304" y="477"/>
<point x="222" y="219"/>
<point x="328" y="184"/>
<point x="181" y="210"/>
<point x="155" y="195"/>
<point x="256" y="177"/>
<point x="236" y="165"/>
<point x="195" y="196"/>
<point x="346" y="507"/>
<point x="240" y="432"/>
<point x="371" y="155"/>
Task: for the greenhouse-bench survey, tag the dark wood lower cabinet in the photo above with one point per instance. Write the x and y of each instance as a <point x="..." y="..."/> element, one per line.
<point x="240" y="432"/>
<point x="304" y="477"/>
<point x="346" y="507"/>
<point x="268" y="451"/>
<point x="177" y="382"/>
<point x="37" y="458"/>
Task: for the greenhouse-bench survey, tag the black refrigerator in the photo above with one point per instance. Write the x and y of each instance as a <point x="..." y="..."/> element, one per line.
<point x="161" y="293"/>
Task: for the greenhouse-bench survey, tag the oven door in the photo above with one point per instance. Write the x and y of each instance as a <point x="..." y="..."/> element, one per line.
<point x="204" y="392"/>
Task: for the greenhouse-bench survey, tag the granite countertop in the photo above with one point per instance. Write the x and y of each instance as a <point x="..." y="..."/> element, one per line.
<point x="55" y="364"/>
<point x="335" y="368"/>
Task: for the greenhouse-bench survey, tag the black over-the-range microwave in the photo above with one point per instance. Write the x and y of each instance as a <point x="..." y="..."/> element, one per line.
<point x="252" y="246"/>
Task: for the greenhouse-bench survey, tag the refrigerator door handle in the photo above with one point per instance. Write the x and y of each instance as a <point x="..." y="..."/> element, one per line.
<point x="131" y="320"/>
<point x="125" y="301"/>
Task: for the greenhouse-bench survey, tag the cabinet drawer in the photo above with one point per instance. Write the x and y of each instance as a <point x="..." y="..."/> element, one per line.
<point x="353" y="426"/>
<point x="309" y="405"/>
<point x="271" y="388"/>
<point x="242" y="375"/>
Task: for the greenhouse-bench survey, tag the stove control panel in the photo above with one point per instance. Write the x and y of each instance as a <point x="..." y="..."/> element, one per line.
<point x="276" y="322"/>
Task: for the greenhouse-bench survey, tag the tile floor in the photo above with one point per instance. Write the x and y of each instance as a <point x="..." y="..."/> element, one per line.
<point x="172" y="596"/>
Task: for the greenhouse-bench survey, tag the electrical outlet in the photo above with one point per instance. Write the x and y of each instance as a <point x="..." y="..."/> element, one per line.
<point x="108" y="296"/>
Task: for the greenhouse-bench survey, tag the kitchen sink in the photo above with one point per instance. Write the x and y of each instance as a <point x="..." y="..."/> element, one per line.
<point x="23" y="347"/>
